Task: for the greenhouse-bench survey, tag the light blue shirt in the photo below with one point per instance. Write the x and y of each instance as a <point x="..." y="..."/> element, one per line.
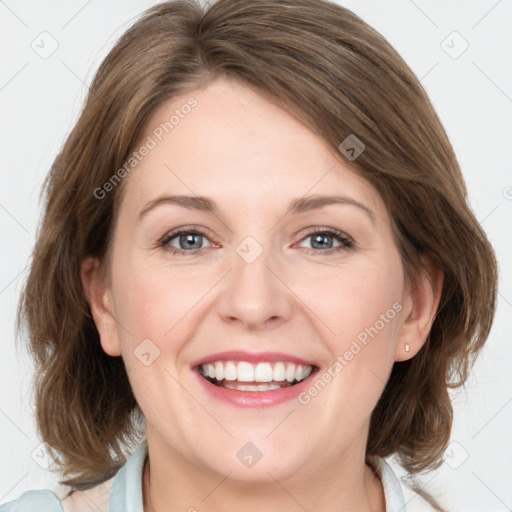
<point x="126" y="491"/>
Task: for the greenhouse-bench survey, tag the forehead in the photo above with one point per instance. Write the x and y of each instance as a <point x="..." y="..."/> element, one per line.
<point x="235" y="145"/>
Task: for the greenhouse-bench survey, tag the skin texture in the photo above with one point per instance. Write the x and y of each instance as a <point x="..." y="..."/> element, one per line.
<point x="253" y="159"/>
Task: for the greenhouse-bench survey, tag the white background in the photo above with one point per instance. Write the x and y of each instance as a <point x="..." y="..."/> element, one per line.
<point x="40" y="100"/>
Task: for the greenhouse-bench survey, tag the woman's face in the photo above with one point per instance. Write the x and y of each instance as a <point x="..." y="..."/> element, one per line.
<point x="270" y="271"/>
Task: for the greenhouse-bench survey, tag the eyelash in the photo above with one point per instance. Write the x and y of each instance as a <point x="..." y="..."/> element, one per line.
<point x="346" y="242"/>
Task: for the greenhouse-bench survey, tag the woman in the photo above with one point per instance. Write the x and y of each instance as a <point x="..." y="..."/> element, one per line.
<point x="257" y="263"/>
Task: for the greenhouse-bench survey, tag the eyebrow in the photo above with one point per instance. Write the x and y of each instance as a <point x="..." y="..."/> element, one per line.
<point x="301" y="205"/>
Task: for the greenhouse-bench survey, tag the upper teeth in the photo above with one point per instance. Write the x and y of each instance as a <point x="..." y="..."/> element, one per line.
<point x="260" y="372"/>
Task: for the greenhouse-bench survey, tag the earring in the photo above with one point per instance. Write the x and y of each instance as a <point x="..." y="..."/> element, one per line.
<point x="407" y="347"/>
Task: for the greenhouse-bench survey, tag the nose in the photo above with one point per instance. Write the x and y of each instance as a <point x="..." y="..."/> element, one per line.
<point x="255" y="295"/>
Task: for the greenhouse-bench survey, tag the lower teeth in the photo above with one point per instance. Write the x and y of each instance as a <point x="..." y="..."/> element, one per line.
<point x="259" y="387"/>
<point x="264" y="386"/>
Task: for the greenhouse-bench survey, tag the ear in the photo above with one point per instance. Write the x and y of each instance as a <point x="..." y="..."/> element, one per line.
<point x="100" y="301"/>
<point x="420" y="307"/>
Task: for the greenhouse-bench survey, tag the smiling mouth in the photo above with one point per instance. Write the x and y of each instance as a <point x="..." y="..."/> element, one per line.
<point x="246" y="376"/>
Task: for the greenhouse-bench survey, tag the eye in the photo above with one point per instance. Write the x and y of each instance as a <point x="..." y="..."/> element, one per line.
<point x="322" y="241"/>
<point x="184" y="241"/>
<point x="190" y="241"/>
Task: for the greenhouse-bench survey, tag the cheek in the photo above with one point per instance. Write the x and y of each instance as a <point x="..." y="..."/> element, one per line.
<point x="151" y="308"/>
<point x="147" y="297"/>
<point x="159" y="302"/>
<point x="358" y="301"/>
<point x="361" y="306"/>
<point x="359" y="311"/>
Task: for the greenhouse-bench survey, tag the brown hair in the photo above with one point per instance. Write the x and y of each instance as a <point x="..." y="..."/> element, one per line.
<point x="331" y="70"/>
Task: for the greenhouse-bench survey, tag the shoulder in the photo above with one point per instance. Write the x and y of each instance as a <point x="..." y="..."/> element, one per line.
<point x="34" y="500"/>
<point x="95" y="499"/>
<point x="124" y="488"/>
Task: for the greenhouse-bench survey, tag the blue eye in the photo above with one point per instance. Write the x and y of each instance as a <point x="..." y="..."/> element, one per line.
<point x="190" y="241"/>
<point x="323" y="240"/>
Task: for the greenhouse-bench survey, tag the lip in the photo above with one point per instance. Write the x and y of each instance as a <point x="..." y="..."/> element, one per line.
<point x="251" y="357"/>
<point x="255" y="399"/>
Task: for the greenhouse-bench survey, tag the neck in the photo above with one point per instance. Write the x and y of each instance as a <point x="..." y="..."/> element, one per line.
<point x="181" y="486"/>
